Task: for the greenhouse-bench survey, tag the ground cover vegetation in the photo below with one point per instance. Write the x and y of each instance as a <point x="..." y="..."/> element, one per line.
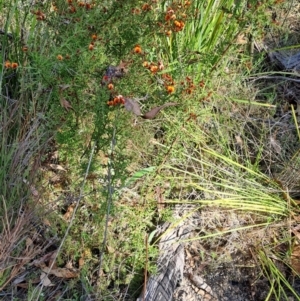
<point x="113" y="112"/>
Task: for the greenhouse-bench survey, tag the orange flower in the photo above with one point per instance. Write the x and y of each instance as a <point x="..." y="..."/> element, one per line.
<point x="135" y="11"/>
<point x="94" y="37"/>
<point x="118" y="100"/>
<point x="81" y="4"/>
<point x="91" y="46"/>
<point x="146" y="6"/>
<point x="168" y="33"/>
<point x="154" y="68"/>
<point x="170" y="89"/>
<point x="167" y="17"/>
<point x="14" y="65"/>
<point x="110" y="86"/>
<point x="177" y="23"/>
<point x="202" y="84"/>
<point x="40" y="16"/>
<point x="7" y="64"/>
<point x="60" y="57"/>
<point x="145" y="64"/>
<point x="72" y="9"/>
<point x="137" y="49"/>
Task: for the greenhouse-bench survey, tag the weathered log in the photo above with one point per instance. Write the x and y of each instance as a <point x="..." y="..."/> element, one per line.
<point x="286" y="60"/>
<point x="161" y="287"/>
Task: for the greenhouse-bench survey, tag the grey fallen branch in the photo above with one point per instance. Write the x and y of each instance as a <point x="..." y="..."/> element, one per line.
<point x="133" y="106"/>
<point x="272" y="77"/>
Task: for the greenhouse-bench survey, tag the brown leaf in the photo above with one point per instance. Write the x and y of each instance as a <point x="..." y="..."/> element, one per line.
<point x="69" y="265"/>
<point x="81" y="262"/>
<point x="69" y="212"/>
<point x="56" y="167"/>
<point x="45" y="280"/>
<point x="239" y="140"/>
<point x="52" y="260"/>
<point x="41" y="262"/>
<point x="152" y="113"/>
<point x="275" y="144"/>
<point x="64" y="87"/>
<point x="62" y="272"/>
<point x="27" y="285"/>
<point x="295" y="258"/>
<point x="241" y="39"/>
<point x="110" y="249"/>
<point x="65" y="104"/>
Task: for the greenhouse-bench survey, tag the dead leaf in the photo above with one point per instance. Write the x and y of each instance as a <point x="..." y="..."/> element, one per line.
<point x="63" y="87"/>
<point x="69" y="265"/>
<point x="295" y="258"/>
<point x="57" y="167"/>
<point x="81" y="262"/>
<point x="69" y="212"/>
<point x="152" y="113"/>
<point x="239" y="140"/>
<point x="296" y="232"/>
<point x="45" y="281"/>
<point x="275" y="144"/>
<point x="46" y="222"/>
<point x="241" y="39"/>
<point x="29" y="242"/>
<point x="65" y="104"/>
<point x="52" y="259"/>
<point x="42" y="261"/>
<point x="62" y="272"/>
<point x="110" y="249"/>
<point x="27" y="285"/>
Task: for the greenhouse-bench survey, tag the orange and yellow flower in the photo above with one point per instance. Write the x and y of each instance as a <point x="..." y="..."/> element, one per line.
<point x="91" y="46"/>
<point x="145" y="64"/>
<point x="170" y="89"/>
<point x="153" y="68"/>
<point x="146" y="7"/>
<point x="7" y="64"/>
<point x="137" y="49"/>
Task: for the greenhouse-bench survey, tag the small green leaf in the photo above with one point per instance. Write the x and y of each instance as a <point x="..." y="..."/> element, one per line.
<point x="139" y="174"/>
